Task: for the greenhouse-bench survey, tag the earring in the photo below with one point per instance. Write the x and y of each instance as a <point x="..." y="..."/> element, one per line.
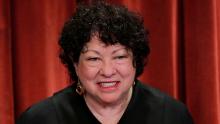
<point x="79" y="88"/>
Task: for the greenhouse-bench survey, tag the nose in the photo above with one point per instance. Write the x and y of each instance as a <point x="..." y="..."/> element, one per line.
<point x="108" y="69"/>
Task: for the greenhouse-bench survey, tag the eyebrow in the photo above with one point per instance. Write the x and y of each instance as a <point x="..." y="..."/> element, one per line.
<point x="92" y="51"/>
<point x="119" y="50"/>
<point x="95" y="51"/>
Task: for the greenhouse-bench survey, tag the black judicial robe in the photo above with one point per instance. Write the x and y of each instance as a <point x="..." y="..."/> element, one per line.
<point x="147" y="106"/>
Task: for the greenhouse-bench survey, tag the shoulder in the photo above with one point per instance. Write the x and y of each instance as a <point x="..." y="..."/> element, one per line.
<point x="45" y="111"/>
<point x="169" y="109"/>
<point x="38" y="113"/>
<point x="154" y="95"/>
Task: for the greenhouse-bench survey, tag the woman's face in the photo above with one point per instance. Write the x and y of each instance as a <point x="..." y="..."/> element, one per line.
<point x="106" y="72"/>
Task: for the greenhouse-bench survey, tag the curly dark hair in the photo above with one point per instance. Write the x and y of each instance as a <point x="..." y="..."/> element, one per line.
<point x="113" y="23"/>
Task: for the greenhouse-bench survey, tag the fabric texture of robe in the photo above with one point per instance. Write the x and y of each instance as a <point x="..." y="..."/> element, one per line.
<point x="147" y="106"/>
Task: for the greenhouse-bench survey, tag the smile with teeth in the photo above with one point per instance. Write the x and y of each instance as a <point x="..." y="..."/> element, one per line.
<point x="108" y="84"/>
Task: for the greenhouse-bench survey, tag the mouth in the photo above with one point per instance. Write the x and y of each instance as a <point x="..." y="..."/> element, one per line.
<point x="108" y="84"/>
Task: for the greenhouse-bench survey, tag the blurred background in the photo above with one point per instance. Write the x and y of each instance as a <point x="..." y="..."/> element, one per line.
<point x="184" y="60"/>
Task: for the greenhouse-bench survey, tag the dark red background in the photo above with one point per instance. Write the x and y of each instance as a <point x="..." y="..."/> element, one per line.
<point x="184" y="60"/>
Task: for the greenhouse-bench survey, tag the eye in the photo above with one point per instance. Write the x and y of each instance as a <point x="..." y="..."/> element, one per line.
<point x="93" y="59"/>
<point x="120" y="57"/>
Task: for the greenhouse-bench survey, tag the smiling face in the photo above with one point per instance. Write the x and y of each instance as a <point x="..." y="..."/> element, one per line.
<point x="106" y="72"/>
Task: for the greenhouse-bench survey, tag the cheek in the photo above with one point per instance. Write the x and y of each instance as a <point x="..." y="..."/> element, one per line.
<point x="86" y="73"/>
<point x="127" y="70"/>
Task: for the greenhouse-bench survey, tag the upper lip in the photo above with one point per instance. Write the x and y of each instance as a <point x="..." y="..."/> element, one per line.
<point x="107" y="81"/>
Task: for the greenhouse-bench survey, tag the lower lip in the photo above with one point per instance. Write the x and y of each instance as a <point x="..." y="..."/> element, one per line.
<point x="110" y="88"/>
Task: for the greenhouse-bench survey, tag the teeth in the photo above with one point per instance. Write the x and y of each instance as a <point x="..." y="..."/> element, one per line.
<point x="108" y="84"/>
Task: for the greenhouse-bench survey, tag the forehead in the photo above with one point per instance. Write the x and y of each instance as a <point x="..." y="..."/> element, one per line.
<point x="96" y="43"/>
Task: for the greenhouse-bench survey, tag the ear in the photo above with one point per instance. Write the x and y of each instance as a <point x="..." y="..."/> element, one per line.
<point x="76" y="67"/>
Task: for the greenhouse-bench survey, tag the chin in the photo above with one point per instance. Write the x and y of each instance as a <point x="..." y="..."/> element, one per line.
<point x="110" y="100"/>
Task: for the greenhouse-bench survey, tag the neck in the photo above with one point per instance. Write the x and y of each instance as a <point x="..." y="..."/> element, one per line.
<point x="109" y="112"/>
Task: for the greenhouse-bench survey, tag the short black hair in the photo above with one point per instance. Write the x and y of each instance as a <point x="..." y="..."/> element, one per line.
<point x="113" y="23"/>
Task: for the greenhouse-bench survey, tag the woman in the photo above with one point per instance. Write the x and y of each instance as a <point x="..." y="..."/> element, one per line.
<point x="104" y="49"/>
